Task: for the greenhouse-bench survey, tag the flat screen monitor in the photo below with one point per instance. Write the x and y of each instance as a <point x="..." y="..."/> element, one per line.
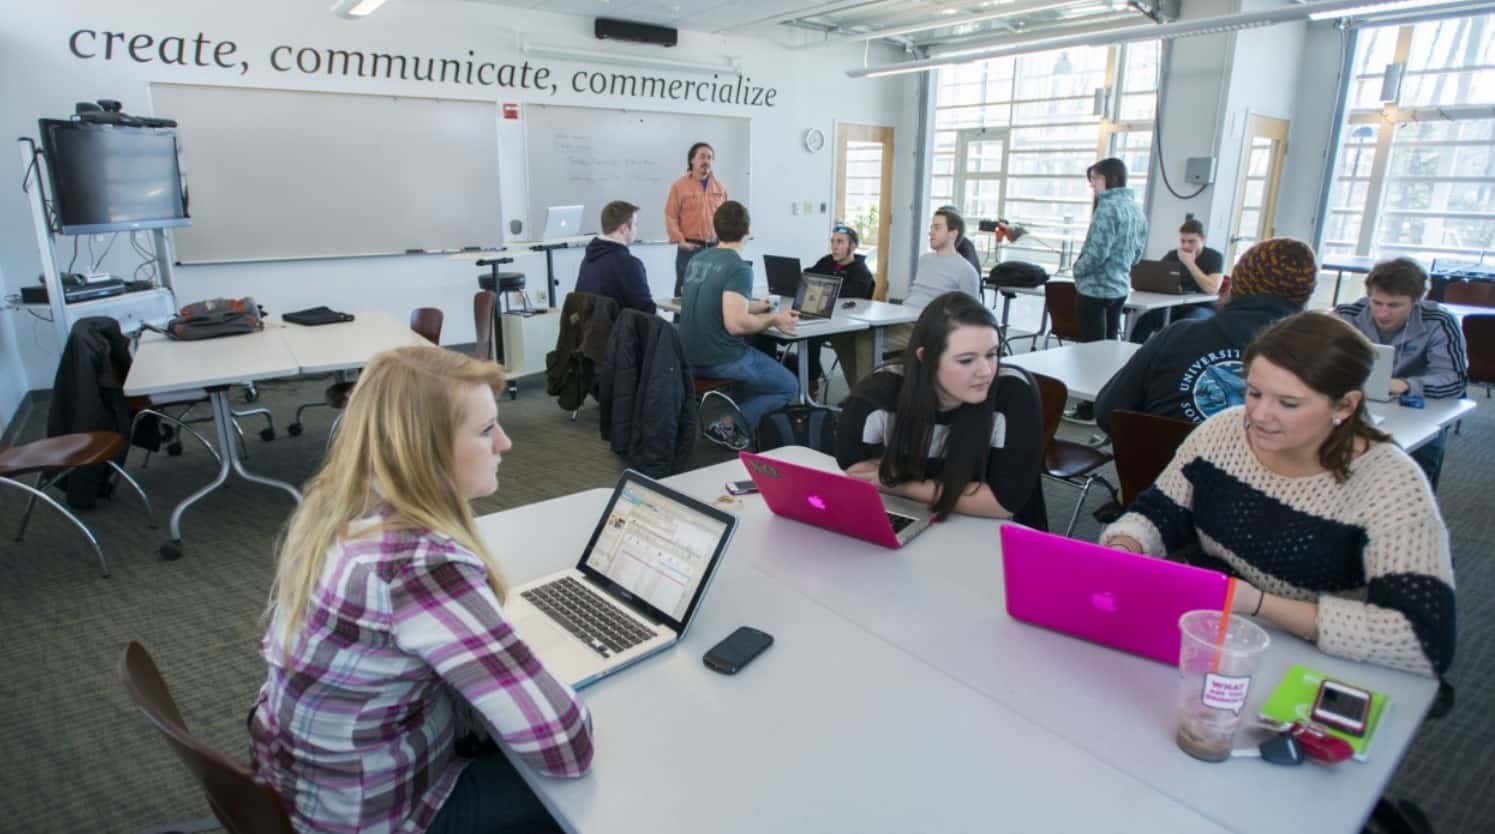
<point x="111" y="178"/>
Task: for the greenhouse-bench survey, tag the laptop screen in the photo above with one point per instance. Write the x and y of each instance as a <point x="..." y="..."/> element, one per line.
<point x="817" y="295"/>
<point x="783" y="275"/>
<point x="657" y="548"/>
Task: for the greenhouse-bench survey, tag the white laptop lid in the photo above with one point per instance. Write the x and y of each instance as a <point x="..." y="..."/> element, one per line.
<point x="1378" y="384"/>
<point x="562" y="221"/>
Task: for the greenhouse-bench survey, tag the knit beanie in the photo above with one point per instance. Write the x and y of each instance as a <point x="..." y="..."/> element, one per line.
<point x="1280" y="266"/>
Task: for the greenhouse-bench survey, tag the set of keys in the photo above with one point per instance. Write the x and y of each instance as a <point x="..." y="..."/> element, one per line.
<point x="1293" y="743"/>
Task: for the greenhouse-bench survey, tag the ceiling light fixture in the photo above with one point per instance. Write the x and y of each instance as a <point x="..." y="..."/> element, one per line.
<point x="354" y="9"/>
<point x="1374" y="8"/>
<point x="943" y="21"/>
<point x="566" y="53"/>
<point x="1125" y="34"/>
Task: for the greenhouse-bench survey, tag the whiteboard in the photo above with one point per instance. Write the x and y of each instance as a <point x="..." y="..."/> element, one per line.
<point x="292" y="174"/>
<point x="590" y="156"/>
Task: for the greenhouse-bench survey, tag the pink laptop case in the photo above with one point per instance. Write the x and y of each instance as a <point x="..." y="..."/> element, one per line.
<point x="837" y="502"/>
<point x="1101" y="594"/>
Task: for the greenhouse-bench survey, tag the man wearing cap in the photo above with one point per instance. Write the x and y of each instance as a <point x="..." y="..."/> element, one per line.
<point x="856" y="282"/>
<point x="1192" y="369"/>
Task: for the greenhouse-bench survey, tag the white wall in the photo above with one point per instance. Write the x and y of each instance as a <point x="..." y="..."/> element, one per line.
<point x="39" y="76"/>
<point x="1308" y="151"/>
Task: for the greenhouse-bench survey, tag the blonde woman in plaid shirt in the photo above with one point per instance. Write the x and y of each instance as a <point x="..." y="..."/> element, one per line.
<point x="386" y="622"/>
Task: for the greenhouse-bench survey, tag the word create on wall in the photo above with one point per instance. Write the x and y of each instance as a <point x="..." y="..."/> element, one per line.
<point x="201" y="51"/>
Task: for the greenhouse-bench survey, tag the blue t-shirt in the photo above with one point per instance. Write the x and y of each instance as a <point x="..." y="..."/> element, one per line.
<point x="702" y="332"/>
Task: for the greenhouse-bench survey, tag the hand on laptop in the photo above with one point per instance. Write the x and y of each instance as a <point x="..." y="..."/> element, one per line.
<point x="865" y="470"/>
<point x="785" y="320"/>
<point x="1399" y="387"/>
<point x="1126" y="543"/>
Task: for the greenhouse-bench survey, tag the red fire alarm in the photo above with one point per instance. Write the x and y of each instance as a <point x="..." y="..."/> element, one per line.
<point x="511" y="111"/>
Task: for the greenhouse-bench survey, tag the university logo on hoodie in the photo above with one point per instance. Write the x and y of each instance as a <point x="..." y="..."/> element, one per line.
<point x="1212" y="383"/>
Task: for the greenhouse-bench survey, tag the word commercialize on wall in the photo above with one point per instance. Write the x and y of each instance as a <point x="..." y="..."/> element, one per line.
<point x="200" y="51"/>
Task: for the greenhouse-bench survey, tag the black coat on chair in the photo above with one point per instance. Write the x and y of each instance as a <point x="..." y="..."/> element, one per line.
<point x="647" y="395"/>
<point x="88" y="394"/>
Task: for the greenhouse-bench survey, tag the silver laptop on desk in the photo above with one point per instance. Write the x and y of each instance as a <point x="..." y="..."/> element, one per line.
<point x="636" y="589"/>
<point x="562" y="221"/>
<point x="1378" y="384"/>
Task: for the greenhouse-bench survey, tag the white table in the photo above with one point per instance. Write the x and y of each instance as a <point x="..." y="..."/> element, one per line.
<point x="1083" y="367"/>
<point x="832" y="729"/>
<point x="1086" y="367"/>
<point x="162" y="366"/>
<point x="1461" y="310"/>
<point x="899" y="696"/>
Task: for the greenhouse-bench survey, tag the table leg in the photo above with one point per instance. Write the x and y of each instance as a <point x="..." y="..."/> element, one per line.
<point x="876" y="349"/>
<point x="228" y="459"/>
<point x="804" y="371"/>
<point x="1338" y="276"/>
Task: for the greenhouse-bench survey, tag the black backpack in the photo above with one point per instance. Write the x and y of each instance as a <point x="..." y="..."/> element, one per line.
<point x="1017" y="274"/>
<point x="797" y="425"/>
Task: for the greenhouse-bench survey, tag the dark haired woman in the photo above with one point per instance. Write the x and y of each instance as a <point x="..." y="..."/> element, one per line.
<point x="693" y="201"/>
<point x="949" y="426"/>
<point x="1103" y="269"/>
<point x="1298" y="494"/>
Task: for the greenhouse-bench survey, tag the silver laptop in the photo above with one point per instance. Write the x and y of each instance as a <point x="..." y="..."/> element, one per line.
<point x="562" y="221"/>
<point x="816" y="298"/>
<point x="637" y="587"/>
<point x="1378" y="384"/>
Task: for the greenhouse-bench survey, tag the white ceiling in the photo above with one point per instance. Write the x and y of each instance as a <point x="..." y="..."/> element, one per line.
<point x="698" y="15"/>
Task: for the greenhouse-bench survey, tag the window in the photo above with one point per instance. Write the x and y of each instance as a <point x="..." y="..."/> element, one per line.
<point x="1013" y="137"/>
<point x="1416" y="176"/>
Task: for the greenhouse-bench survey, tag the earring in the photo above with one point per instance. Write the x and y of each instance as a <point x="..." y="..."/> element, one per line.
<point x="1337" y="421"/>
<point x="1245" y="421"/>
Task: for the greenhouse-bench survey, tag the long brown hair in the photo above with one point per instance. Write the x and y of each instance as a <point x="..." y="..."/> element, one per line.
<point x="395" y="450"/>
<point x="1333" y="358"/>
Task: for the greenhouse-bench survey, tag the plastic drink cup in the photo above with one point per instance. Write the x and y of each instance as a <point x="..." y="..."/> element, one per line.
<point x="1215" y="667"/>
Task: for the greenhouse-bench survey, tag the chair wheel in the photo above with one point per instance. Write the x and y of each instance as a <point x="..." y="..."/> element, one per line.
<point x="174" y="448"/>
<point x="294" y="430"/>
<point x="267" y="434"/>
<point x="171" y="550"/>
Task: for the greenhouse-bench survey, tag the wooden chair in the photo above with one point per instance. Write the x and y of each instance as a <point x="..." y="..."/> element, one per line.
<point x="54" y="457"/>
<point x="1059" y="308"/>
<point x="1471" y="293"/>
<point x="241" y="805"/>
<point x="1143" y="445"/>
<point x="1066" y="461"/>
<point x="484" y="306"/>
<point x="427" y="322"/>
<point x="1479" y="339"/>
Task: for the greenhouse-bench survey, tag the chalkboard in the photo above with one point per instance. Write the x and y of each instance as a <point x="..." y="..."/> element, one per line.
<point x="292" y="174"/>
<point x="591" y="156"/>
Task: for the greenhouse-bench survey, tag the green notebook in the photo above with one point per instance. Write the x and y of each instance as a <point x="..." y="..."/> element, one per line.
<point x="1293" y="699"/>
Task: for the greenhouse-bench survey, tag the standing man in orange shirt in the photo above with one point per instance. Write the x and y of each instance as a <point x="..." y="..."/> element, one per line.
<point x="693" y="201"/>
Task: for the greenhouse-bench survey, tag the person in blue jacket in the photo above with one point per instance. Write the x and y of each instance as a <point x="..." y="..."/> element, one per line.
<point x="1103" y="269"/>
<point x="609" y="269"/>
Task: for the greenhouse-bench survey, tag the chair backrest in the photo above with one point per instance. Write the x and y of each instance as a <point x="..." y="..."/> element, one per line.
<point x="1472" y="293"/>
<point x="1059" y="297"/>
<point x="241" y="804"/>
<point x="1052" y="394"/>
<point x="1479" y="338"/>
<point x="1143" y="444"/>
<point x="483" y="302"/>
<point x="427" y="322"/>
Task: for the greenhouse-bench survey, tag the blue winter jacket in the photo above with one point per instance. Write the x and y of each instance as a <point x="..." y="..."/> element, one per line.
<point x="1114" y="243"/>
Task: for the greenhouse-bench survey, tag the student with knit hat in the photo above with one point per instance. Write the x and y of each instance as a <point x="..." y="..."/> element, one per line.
<point x="1192" y="369"/>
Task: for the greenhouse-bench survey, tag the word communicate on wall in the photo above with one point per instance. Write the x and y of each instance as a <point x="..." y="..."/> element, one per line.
<point x="204" y="52"/>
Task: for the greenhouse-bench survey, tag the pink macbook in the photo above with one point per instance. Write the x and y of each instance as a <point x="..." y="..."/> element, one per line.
<point x="1101" y="594"/>
<point x="835" y="501"/>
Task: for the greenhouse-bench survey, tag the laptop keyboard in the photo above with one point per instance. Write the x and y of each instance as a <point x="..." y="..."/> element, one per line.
<point x="587" y="615"/>
<point x="899" y="522"/>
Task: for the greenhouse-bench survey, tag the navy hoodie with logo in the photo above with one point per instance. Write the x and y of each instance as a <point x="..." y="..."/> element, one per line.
<point x="1192" y="370"/>
<point x="609" y="269"/>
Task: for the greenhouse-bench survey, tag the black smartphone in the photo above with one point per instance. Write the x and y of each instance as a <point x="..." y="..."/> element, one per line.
<point x="738" y="650"/>
<point x="747" y="487"/>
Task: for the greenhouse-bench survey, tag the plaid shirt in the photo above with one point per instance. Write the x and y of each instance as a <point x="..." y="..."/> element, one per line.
<point x="355" y="726"/>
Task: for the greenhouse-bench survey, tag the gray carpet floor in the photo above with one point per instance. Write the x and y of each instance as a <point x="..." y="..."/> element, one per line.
<point x="78" y="758"/>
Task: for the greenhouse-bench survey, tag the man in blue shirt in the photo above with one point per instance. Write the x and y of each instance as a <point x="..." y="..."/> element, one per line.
<point x="1431" y="360"/>
<point x="609" y="269"/>
<point x="716" y="312"/>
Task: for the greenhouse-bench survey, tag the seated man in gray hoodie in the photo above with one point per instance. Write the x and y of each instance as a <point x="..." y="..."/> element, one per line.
<point x="1431" y="360"/>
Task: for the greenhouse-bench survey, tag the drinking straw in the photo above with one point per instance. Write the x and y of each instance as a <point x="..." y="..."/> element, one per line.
<point x="1224" y="625"/>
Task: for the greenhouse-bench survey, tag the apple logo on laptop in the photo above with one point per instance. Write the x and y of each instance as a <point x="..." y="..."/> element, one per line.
<point x="816" y="501"/>
<point x="1104" y="601"/>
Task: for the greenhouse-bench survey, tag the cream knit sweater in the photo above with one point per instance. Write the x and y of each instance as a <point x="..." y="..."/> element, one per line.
<point x="1372" y="551"/>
